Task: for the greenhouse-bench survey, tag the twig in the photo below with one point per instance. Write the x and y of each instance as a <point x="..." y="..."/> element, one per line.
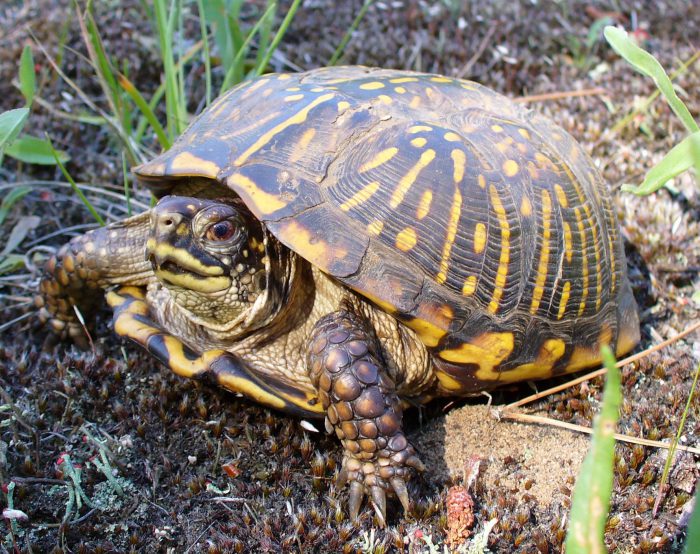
<point x="603" y="371"/>
<point x="560" y="95"/>
<point x="479" y="52"/>
<point x="531" y="418"/>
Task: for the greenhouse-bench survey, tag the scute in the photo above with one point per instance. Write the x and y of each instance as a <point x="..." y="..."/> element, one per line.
<point x="466" y="216"/>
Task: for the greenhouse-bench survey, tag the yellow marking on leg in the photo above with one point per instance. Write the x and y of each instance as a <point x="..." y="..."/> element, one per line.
<point x="418" y="129"/>
<point x="542" y="267"/>
<point x="302" y="144"/>
<point x="362" y="195"/>
<point x="419" y="142"/>
<point x="502" y="272"/>
<point x="561" y="196"/>
<point x="424" y="204"/>
<point x="452" y="137"/>
<point x="566" y="291"/>
<point x="469" y="285"/>
<point x="403" y="80"/>
<point x="584" y="260"/>
<point x="452" y="225"/>
<point x="568" y="242"/>
<point x="375" y="228"/>
<point x="407" y="180"/>
<point x="406" y="239"/>
<point x="510" y="168"/>
<point x="381" y="158"/>
<point x="459" y="159"/>
<point x="296" y="119"/>
<point x="479" y="238"/>
<point x="374" y="85"/>
<point x="265" y="202"/>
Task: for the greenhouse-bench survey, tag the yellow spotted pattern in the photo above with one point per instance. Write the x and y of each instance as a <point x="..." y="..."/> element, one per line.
<point x="455" y="212"/>
<point x="381" y="158"/>
<point x="406" y="239"/>
<point x="419" y="142"/>
<point x="407" y="180"/>
<point x="584" y="259"/>
<point x="544" y="252"/>
<point x="375" y="228"/>
<point x="374" y="85"/>
<point x="568" y="242"/>
<point x="362" y="195"/>
<point x="479" y="238"/>
<point x="459" y="160"/>
<point x="469" y="285"/>
<point x="565" y="292"/>
<point x="502" y="272"/>
<point x="424" y="204"/>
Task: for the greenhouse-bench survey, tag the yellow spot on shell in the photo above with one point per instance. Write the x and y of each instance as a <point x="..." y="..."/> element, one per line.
<point x="284" y="76"/>
<point x="374" y="85"/>
<point x="406" y="239"/>
<point x="312" y="246"/>
<point x="502" y="272"/>
<point x="459" y="159"/>
<point x="510" y="168"/>
<point x="468" y="87"/>
<point x="384" y="99"/>
<point x="482" y="181"/>
<point x="375" y="228"/>
<point x="525" y="207"/>
<point x="343" y="105"/>
<point x="542" y="268"/>
<point x="486" y="351"/>
<point x="565" y="292"/>
<point x="303" y="143"/>
<point x="496" y="128"/>
<point x="293" y="89"/>
<point x="424" y="204"/>
<point x="452" y="137"/>
<point x="568" y="242"/>
<point x="265" y="202"/>
<point x="415" y="102"/>
<point x="403" y="80"/>
<point x="409" y="178"/>
<point x="418" y="129"/>
<point x="293" y="97"/>
<point x="419" y="142"/>
<point x="379" y="159"/>
<point x="469" y="285"/>
<point x="295" y="119"/>
<point x="440" y="79"/>
<point x="524" y="133"/>
<point x="399" y="90"/>
<point x="455" y="212"/>
<point x="360" y="196"/>
<point x="561" y="195"/>
<point x="479" y="238"/>
<point x="185" y="162"/>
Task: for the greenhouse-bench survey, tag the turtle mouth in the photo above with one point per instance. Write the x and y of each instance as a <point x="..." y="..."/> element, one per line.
<point x="178" y="268"/>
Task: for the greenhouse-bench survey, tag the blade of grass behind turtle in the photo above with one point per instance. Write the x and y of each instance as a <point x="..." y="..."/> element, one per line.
<point x="27" y="76"/>
<point x="264" y="35"/>
<point x="125" y="176"/>
<point x="10" y="199"/>
<point x="205" y="45"/>
<point x="11" y="124"/>
<point x="348" y="34"/>
<point x="75" y="187"/>
<point x="648" y="65"/>
<point x="591" y="497"/>
<point x="146" y="110"/>
<point x="33" y="150"/>
<point x="262" y="64"/>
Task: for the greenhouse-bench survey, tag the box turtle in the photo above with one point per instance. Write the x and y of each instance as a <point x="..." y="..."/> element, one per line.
<point x="348" y="241"/>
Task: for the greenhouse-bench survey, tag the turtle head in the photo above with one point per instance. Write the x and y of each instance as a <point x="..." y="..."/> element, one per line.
<point x="210" y="255"/>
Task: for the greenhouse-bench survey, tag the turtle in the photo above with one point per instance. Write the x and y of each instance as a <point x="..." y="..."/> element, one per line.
<point x="346" y="242"/>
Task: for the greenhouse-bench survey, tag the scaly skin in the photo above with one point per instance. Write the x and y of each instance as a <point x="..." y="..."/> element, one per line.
<point x="362" y="407"/>
<point x="77" y="274"/>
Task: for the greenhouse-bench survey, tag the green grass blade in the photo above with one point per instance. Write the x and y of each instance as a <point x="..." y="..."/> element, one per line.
<point x="125" y="176"/>
<point x="205" y="44"/>
<point x="648" y="65"/>
<point x="11" y="198"/>
<point x="33" y="150"/>
<point x="146" y="110"/>
<point x="264" y="34"/>
<point x="591" y="498"/>
<point x="164" y="27"/>
<point x="676" y="161"/>
<point x="230" y="78"/>
<point x="27" y="76"/>
<point x="11" y="124"/>
<point x="262" y="66"/>
<point x="75" y="187"/>
<point x="348" y="34"/>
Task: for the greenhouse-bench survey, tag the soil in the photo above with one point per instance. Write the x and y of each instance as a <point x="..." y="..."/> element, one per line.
<point x="205" y="471"/>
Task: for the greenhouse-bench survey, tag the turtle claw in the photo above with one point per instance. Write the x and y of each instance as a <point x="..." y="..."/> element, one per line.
<point x="357" y="491"/>
<point x="399" y="486"/>
<point x="379" y="501"/>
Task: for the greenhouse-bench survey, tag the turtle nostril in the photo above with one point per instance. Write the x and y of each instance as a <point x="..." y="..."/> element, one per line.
<point x="168" y="222"/>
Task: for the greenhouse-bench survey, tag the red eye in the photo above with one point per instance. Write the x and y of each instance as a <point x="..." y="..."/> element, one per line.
<point x="223" y="230"/>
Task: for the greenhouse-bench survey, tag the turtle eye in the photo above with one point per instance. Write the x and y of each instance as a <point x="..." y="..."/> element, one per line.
<point x="223" y="230"/>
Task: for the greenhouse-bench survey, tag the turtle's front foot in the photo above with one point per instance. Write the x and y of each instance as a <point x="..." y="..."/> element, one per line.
<point x="363" y="409"/>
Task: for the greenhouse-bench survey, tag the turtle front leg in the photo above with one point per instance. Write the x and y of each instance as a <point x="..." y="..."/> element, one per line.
<point x="77" y="274"/>
<point x="345" y="364"/>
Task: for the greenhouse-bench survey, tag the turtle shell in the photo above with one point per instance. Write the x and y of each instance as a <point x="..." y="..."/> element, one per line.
<point x="478" y="223"/>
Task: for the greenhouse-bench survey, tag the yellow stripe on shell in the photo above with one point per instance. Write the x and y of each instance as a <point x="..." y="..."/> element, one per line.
<point x="403" y="80"/>
<point x="429" y="333"/>
<point x="419" y="142"/>
<point x="424" y="204"/>
<point x="486" y="351"/>
<point x="469" y="285"/>
<point x="550" y="352"/>
<point x="525" y="206"/>
<point x="502" y="272"/>
<point x="561" y="196"/>
<point x="293" y="97"/>
<point x="542" y="267"/>
<point x="568" y="242"/>
<point x="302" y="144"/>
<point x="452" y="225"/>
<point x="312" y="247"/>
<point x="596" y="252"/>
<point x="362" y="195"/>
<point x="439" y="79"/>
<point x="479" y="238"/>
<point x="265" y="202"/>
<point x="186" y="162"/>
<point x="418" y="129"/>
<point x="459" y="160"/>
<point x="379" y="159"/>
<point x="565" y="292"/>
<point x="373" y="85"/>
<point x="409" y="178"/>
<point x="482" y="181"/>
<point x="584" y="260"/>
<point x="295" y="119"/>
<point x="375" y="228"/>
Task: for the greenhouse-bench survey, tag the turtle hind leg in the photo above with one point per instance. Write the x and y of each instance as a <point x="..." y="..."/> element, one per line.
<point x="77" y="274"/>
<point x="362" y="407"/>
